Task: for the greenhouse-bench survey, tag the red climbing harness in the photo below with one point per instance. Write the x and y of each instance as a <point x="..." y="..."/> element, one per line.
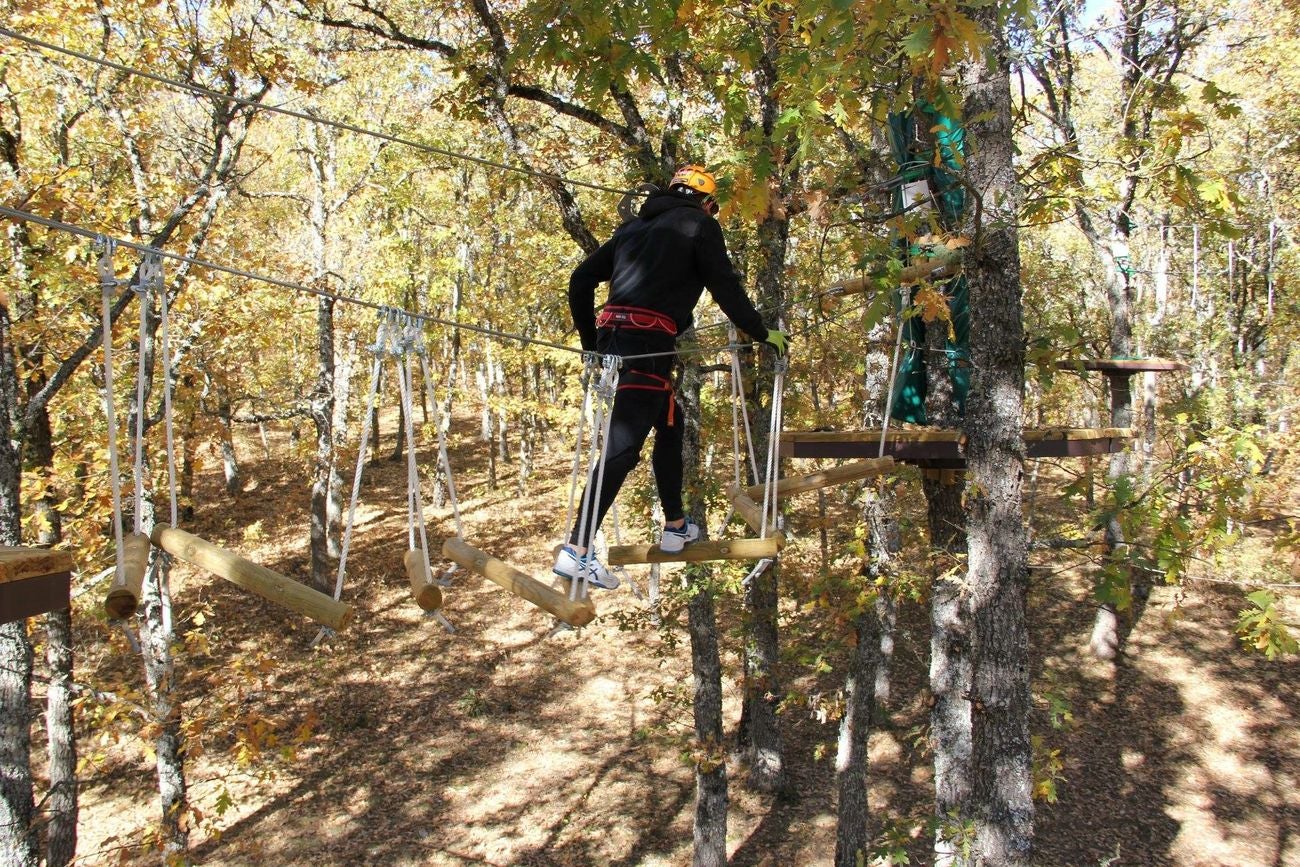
<point x="655" y="383"/>
<point x="635" y="319"/>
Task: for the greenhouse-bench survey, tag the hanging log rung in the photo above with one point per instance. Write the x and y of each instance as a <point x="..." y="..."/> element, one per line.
<point x="792" y="485"/>
<point x="752" y="513"/>
<point x="252" y="577"/>
<point x="428" y="595"/>
<point x="124" y="595"/>
<point x="575" y="612"/>
<point x="698" y="552"/>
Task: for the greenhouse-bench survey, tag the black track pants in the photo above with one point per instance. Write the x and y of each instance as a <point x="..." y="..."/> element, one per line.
<point x="636" y="411"/>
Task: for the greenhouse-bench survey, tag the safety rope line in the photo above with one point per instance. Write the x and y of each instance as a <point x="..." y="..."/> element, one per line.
<point x="588" y="371"/>
<point x="773" y="448"/>
<point x="27" y="216"/>
<point x="199" y="90"/>
<point x="442" y="425"/>
<point x="108" y="284"/>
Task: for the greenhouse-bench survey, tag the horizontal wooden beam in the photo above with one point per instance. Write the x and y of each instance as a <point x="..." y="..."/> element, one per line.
<point x="1122" y="365"/>
<point x="252" y="576"/>
<point x="428" y="595"/>
<point x="698" y="552"/>
<point x="19" y="563"/>
<point x="791" y="485"/>
<point x="575" y="612"/>
<point x="936" y="268"/>
<point x="920" y="445"/>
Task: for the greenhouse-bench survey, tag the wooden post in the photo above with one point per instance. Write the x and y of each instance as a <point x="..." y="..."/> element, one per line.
<point x="124" y="595"/>
<point x="252" y="577"/>
<point x="698" y="552"/>
<point x="577" y="612"/>
<point x="427" y="594"/>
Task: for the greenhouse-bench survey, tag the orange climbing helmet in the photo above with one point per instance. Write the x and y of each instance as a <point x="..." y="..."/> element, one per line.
<point x="696" y="178"/>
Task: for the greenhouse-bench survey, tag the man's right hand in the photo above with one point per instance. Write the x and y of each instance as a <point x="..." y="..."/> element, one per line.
<point x="779" y="341"/>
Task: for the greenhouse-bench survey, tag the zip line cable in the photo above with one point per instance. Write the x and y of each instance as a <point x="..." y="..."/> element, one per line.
<point x="199" y="90"/>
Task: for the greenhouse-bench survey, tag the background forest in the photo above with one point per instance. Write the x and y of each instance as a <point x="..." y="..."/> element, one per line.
<point x="303" y="166"/>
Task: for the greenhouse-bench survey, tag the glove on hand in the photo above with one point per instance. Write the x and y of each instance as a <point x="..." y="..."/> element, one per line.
<point x="778" y="340"/>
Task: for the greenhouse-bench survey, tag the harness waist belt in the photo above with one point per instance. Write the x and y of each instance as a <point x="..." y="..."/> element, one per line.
<point x="635" y="319"/>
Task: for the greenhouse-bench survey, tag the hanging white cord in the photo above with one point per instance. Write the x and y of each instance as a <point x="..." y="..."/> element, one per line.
<point x="107" y="285"/>
<point x="167" y="398"/>
<point x="379" y="348"/>
<point x="605" y="393"/>
<point x="415" y="504"/>
<point x="738" y="380"/>
<point x="588" y="369"/>
<point x="773" y="448"/>
<point x="442" y="439"/>
<point x="893" y="374"/>
<point x="149" y="266"/>
<point x="618" y="540"/>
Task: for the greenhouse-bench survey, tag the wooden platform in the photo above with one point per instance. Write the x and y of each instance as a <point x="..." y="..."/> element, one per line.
<point x="938" y="447"/>
<point x="33" y="581"/>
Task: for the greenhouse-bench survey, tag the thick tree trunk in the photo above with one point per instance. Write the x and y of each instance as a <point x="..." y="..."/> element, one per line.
<point x="322" y="414"/>
<point x="853" y="829"/>
<point x="61" y="802"/>
<point x="711" y="798"/>
<point x="759" y="734"/>
<point x="997" y="577"/>
<point x="17" y="842"/>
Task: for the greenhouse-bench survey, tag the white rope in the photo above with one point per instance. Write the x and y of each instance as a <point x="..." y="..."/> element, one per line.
<point x="588" y="369"/>
<point x="773" y="448"/>
<point x="150" y="266"/>
<point x="107" y="284"/>
<point x="605" y="393"/>
<point x="442" y="424"/>
<point x="167" y="399"/>
<point x="738" y="386"/>
<point x="893" y="374"/>
<point x="415" y="503"/>
<point x="379" y="348"/>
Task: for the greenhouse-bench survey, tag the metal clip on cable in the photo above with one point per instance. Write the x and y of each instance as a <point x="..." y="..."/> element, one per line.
<point x="107" y="276"/>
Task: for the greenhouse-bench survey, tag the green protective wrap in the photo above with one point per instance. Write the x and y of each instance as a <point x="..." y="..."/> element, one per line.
<point x="916" y="161"/>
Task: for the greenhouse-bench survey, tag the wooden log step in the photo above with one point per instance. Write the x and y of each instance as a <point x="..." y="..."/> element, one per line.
<point x="124" y="595"/>
<point x="575" y="612"/>
<point x="252" y="577"/>
<point x="791" y="485"/>
<point x="698" y="552"/>
<point x="428" y="595"/>
<point x="753" y="513"/>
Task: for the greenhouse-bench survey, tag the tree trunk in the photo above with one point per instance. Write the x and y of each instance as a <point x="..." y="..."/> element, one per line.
<point x="322" y="414"/>
<point x="17" y="842"/>
<point x="759" y="735"/>
<point x="61" y="802"/>
<point x="997" y="542"/>
<point x="711" y="798"/>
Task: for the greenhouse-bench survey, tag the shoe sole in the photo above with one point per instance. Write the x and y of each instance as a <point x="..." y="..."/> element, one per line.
<point x="679" y="549"/>
<point x="591" y="582"/>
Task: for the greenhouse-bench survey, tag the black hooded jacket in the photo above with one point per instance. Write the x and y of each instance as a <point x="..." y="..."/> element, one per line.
<point x="663" y="260"/>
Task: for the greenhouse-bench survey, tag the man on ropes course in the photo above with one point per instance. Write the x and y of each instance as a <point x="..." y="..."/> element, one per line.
<point x="657" y="264"/>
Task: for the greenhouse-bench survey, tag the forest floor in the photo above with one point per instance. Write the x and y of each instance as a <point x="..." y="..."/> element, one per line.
<point x="394" y="742"/>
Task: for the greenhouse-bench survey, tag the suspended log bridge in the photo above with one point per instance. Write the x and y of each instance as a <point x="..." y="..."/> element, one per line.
<point x="124" y="594"/>
<point x="935" y="268"/>
<point x="575" y="612"/>
<point x="33" y="581"/>
<point x="252" y="576"/>
<point x="942" y="447"/>
<point x="753" y="514"/>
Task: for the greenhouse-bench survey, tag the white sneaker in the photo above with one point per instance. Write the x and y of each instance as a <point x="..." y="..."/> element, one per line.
<point x="569" y="565"/>
<point x="674" y="539"/>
